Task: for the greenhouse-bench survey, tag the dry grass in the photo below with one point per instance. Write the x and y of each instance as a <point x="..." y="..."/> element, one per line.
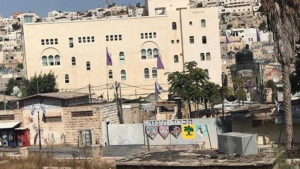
<point x="38" y="161"/>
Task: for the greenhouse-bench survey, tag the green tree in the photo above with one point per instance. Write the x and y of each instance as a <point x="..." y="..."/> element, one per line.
<point x="239" y="89"/>
<point x="11" y="84"/>
<point x="283" y="21"/>
<point x="210" y="93"/>
<point x="188" y="84"/>
<point x="263" y="25"/>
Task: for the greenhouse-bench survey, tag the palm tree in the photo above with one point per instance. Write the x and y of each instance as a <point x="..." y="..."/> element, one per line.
<point x="283" y="21"/>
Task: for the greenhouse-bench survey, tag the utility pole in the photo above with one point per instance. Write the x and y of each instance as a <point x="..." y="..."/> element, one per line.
<point x="39" y="128"/>
<point x="90" y="98"/>
<point x="121" y="108"/>
<point x="4" y="102"/>
<point x="181" y="36"/>
<point x="119" y="103"/>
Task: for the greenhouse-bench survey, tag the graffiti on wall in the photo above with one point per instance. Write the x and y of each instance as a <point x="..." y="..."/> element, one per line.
<point x="168" y="122"/>
<point x="151" y="131"/>
<point x="188" y="131"/>
<point x="175" y="130"/>
<point x="164" y="131"/>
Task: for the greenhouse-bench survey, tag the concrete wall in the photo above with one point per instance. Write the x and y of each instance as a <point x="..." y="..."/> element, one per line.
<point x="126" y="134"/>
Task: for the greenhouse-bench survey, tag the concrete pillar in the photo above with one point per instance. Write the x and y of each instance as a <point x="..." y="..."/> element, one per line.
<point x="96" y="151"/>
<point x="24" y="152"/>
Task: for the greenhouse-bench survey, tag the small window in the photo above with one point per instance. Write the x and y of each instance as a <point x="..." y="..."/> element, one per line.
<point x="142" y="36"/>
<point x="71" y="44"/>
<point x="93" y="39"/>
<point x="155" y="52"/>
<point x="177" y="40"/>
<point x="172" y="41"/>
<point x="192" y="40"/>
<point x="57" y="60"/>
<point x="149" y="53"/>
<point x="122" y="57"/>
<point x="51" y="41"/>
<point x="176" y="59"/>
<point x="81" y="113"/>
<point x="56" y="41"/>
<point x="73" y="61"/>
<point x="44" y="61"/>
<point x="47" y="41"/>
<point x="88" y="65"/>
<point x="191" y="23"/>
<point x="154" y="72"/>
<point x="116" y="37"/>
<point x="174" y="26"/>
<point x="203" y="23"/>
<point x="111" y="37"/>
<point x="154" y="34"/>
<point x="123" y="75"/>
<point x="107" y="38"/>
<point x="150" y="35"/>
<point x="206" y="72"/>
<point x="204" y="41"/>
<point x="83" y="39"/>
<point x="53" y="119"/>
<point x="110" y="74"/>
<point x="208" y="57"/>
<point x="43" y="42"/>
<point x="202" y="56"/>
<point x="79" y="39"/>
<point x="88" y="39"/>
<point x="143" y="54"/>
<point x="51" y="60"/>
<point x="120" y="37"/>
<point x="146" y="35"/>
<point x="67" y="79"/>
<point x="146" y="73"/>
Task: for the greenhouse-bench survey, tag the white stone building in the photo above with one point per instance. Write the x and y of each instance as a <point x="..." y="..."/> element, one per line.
<point x="76" y="51"/>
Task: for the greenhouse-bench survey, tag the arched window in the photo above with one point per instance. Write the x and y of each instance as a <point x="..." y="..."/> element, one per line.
<point x="149" y="53"/>
<point x="202" y="56"/>
<point x="110" y="74"/>
<point x="204" y="41"/>
<point x="143" y="54"/>
<point x="88" y="65"/>
<point x="67" y="78"/>
<point x="176" y="59"/>
<point x="73" y="61"/>
<point x="174" y="26"/>
<point x="155" y="52"/>
<point x="121" y="57"/>
<point x="203" y="23"/>
<point x="57" y="60"/>
<point x="44" y="61"/>
<point x="51" y="60"/>
<point x="154" y="72"/>
<point x="206" y="71"/>
<point x="146" y="73"/>
<point x="208" y="56"/>
<point x="123" y="75"/>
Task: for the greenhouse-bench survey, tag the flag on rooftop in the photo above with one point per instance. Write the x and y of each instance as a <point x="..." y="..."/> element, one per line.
<point x="227" y="39"/>
<point x="158" y="88"/>
<point x="32" y="109"/>
<point x="43" y="108"/>
<point x="108" y="58"/>
<point x="160" y="65"/>
<point x="257" y="35"/>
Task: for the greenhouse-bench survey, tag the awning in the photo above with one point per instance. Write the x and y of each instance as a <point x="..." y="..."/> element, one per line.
<point x="9" y="125"/>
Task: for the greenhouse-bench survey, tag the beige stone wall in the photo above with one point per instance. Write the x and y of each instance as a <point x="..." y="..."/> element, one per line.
<point x="17" y="114"/>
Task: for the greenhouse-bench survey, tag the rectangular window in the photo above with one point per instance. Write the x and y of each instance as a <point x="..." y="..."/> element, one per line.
<point x="83" y="39"/>
<point x="53" y="119"/>
<point x="88" y="39"/>
<point x="150" y="35"/>
<point x="154" y="34"/>
<point x="47" y="41"/>
<point x="191" y="23"/>
<point x="192" y="40"/>
<point x="7" y="117"/>
<point x="116" y="37"/>
<point x="120" y="37"/>
<point x="51" y="41"/>
<point x="93" y="39"/>
<point x="71" y="44"/>
<point x="146" y="35"/>
<point x="79" y="39"/>
<point x="107" y="38"/>
<point x="142" y="36"/>
<point x="56" y="41"/>
<point x="111" y="37"/>
<point x="43" y="42"/>
<point x="82" y="113"/>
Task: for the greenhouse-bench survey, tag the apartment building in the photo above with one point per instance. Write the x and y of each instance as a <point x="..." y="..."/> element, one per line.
<point x="76" y="51"/>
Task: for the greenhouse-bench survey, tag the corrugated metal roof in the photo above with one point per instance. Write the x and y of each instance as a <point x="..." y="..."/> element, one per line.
<point x="9" y="125"/>
<point x="8" y="98"/>
<point x="59" y="95"/>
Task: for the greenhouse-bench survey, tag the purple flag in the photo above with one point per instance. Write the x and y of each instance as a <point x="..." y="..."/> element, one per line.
<point x="257" y="35"/>
<point x="159" y="62"/>
<point x="108" y="58"/>
<point x="158" y="88"/>
<point x="227" y="40"/>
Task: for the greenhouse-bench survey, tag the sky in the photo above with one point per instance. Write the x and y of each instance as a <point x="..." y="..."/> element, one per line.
<point x="42" y="7"/>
